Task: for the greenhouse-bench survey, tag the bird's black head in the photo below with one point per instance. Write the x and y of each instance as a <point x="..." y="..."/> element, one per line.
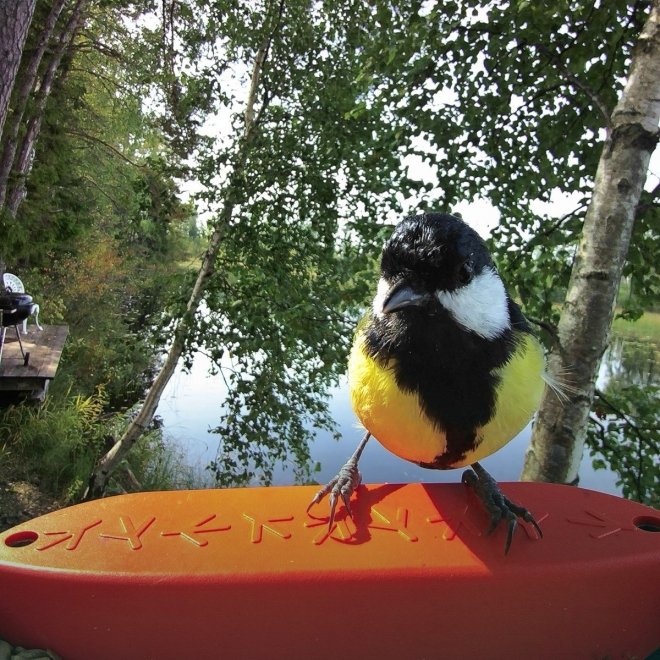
<point x="436" y="265"/>
<point x="436" y="251"/>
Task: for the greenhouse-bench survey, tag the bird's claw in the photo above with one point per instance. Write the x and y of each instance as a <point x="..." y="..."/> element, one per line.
<point x="343" y="485"/>
<point x="497" y="505"/>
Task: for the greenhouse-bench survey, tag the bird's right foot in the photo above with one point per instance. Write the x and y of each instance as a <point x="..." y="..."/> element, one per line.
<point x="343" y="485"/>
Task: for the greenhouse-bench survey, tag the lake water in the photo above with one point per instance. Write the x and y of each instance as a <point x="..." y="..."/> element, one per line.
<point x="191" y="407"/>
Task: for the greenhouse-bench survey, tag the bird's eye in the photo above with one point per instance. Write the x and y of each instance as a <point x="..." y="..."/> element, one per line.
<point x="466" y="272"/>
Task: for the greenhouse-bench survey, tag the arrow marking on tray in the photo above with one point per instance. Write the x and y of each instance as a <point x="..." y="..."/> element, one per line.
<point x="258" y="526"/>
<point x="454" y="524"/>
<point x="74" y="537"/>
<point x="131" y="535"/>
<point x="400" y="526"/>
<point x="341" y="530"/>
<point x="191" y="535"/>
<point x="598" y="520"/>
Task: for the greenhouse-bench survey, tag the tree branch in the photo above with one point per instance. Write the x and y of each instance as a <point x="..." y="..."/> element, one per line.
<point x="624" y="416"/>
<point x="539" y="236"/>
<point x="583" y="87"/>
<point x="641" y="208"/>
<point x="550" y="328"/>
<point x="257" y="73"/>
<point x="109" y="147"/>
<point x="183" y="329"/>
<point x="119" y="206"/>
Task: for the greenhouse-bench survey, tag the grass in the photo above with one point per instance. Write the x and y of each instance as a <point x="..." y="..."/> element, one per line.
<point x="58" y="443"/>
<point x="646" y="328"/>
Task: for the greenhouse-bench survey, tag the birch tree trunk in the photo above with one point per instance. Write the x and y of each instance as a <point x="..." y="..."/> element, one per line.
<point x="26" y="86"/>
<point x="558" y="438"/>
<point x="23" y="159"/>
<point x="15" y="19"/>
<point x="108" y="463"/>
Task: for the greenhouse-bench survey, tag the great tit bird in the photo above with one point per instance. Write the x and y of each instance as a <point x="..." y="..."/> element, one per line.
<point x="444" y="369"/>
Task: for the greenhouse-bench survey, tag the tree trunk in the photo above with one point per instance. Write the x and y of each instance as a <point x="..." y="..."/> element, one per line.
<point x="15" y="19"/>
<point x="557" y="444"/>
<point x="26" y="86"/>
<point x="108" y="463"/>
<point x="23" y="160"/>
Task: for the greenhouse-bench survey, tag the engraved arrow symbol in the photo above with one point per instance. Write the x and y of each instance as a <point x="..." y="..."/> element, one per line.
<point x="198" y="528"/>
<point x="74" y="537"/>
<point x="131" y="534"/>
<point x="400" y="526"/>
<point x="598" y="520"/>
<point x="258" y="526"/>
<point x="454" y="524"/>
<point x="342" y="530"/>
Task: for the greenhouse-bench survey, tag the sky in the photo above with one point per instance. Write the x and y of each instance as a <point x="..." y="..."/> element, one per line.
<point x="482" y="216"/>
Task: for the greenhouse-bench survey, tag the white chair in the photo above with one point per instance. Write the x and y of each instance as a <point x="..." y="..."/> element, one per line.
<point x="13" y="284"/>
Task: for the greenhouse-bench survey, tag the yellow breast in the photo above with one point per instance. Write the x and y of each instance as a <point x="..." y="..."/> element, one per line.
<point x="396" y="419"/>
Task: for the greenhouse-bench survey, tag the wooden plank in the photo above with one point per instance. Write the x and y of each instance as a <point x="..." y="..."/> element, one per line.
<point x="45" y="348"/>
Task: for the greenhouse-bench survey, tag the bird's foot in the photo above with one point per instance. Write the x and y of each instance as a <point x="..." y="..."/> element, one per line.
<point x="343" y="485"/>
<point x="497" y="505"/>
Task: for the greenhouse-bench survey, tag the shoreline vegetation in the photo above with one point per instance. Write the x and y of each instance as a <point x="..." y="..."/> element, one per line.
<point x="645" y="328"/>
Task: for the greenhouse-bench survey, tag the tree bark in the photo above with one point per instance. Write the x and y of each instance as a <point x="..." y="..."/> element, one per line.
<point x="108" y="463"/>
<point x="15" y="19"/>
<point x="557" y="444"/>
<point x="23" y="159"/>
<point x="26" y="86"/>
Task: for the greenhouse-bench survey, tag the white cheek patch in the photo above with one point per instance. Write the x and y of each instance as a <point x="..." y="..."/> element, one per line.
<point x="480" y="306"/>
<point x="381" y="296"/>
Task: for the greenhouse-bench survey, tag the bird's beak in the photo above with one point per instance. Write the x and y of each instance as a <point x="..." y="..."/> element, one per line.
<point x="400" y="296"/>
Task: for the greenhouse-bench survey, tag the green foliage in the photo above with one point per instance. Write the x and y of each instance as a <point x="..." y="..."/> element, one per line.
<point x="102" y="217"/>
<point x="503" y="95"/>
<point x="56" y="443"/>
<point x="113" y="303"/>
<point x="161" y="465"/>
<point x="154" y="464"/>
<point x="102" y="165"/>
<point x="291" y="275"/>
<point x="625" y="435"/>
<point x="93" y="243"/>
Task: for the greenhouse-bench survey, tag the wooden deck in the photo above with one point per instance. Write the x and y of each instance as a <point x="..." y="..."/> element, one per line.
<point x="45" y="348"/>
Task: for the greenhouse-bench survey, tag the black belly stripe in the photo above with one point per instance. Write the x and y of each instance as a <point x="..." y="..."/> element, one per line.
<point x="449" y="368"/>
<point x="459" y="444"/>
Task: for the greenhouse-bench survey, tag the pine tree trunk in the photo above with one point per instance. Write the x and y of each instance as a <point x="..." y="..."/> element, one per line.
<point x="26" y="85"/>
<point x="23" y="159"/>
<point x="108" y="463"/>
<point x="558" y="438"/>
<point x="15" y="19"/>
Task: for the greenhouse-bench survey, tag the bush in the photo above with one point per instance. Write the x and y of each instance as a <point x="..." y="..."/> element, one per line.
<point x="57" y="443"/>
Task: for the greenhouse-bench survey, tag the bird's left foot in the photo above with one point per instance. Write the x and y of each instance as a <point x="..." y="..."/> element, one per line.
<point x="497" y="505"/>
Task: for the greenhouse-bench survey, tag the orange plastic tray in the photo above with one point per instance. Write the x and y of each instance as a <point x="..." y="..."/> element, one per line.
<point x="247" y="573"/>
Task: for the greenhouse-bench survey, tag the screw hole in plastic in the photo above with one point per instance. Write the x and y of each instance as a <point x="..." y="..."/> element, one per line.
<point x="647" y="523"/>
<point x="21" y="539"/>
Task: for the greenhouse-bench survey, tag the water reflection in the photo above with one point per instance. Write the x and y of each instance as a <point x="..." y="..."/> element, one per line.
<point x="625" y="429"/>
<point x="630" y="362"/>
<point x="190" y="408"/>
